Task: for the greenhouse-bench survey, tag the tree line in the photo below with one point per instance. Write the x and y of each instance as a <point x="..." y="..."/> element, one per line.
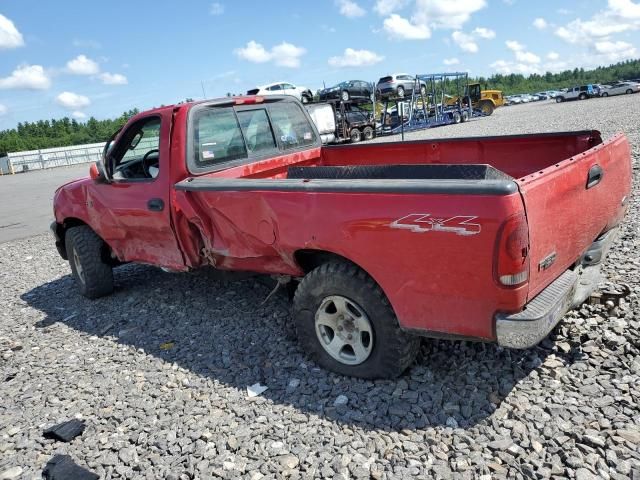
<point x="65" y="131"/>
<point x="60" y="133"/>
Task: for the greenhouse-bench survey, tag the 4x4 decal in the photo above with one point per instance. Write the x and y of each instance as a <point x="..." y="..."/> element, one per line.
<point x="424" y="222"/>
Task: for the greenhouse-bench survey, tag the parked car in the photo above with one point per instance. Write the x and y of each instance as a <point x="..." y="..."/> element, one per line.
<point x="621" y="88"/>
<point x="542" y="95"/>
<point x="582" y="92"/>
<point x="245" y="184"/>
<point x="283" y="88"/>
<point x="345" y="91"/>
<point x="514" y="99"/>
<point x="399" y="84"/>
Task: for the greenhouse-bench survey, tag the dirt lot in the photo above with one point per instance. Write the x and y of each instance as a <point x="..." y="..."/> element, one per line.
<point x="159" y="372"/>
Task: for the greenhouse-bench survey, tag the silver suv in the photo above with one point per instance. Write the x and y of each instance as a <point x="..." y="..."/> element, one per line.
<point x="398" y="84"/>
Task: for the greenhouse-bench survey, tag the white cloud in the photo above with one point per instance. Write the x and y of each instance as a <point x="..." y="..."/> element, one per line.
<point x="216" y="9"/>
<point x="485" y="33"/>
<point x="10" y="37"/>
<point x="287" y="55"/>
<point x="386" y="7"/>
<point x="79" y="115"/>
<point x="113" y="78"/>
<point x="563" y="11"/>
<point x="350" y="9"/>
<point x="553" y="55"/>
<point x="253" y="52"/>
<point x="451" y="61"/>
<point x="520" y="52"/>
<point x="619" y="16"/>
<point x="615" y="51"/>
<point x="3" y="110"/>
<point x="465" y="42"/>
<point x="30" y="77"/>
<point x="284" y="54"/>
<point x="72" y="101"/>
<point x="446" y="13"/>
<point x="506" y="68"/>
<point x="400" y="28"/>
<point x="82" y="65"/>
<point x="540" y="23"/>
<point x="355" y="58"/>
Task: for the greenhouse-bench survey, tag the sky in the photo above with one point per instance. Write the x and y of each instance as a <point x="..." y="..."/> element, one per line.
<point x="82" y="58"/>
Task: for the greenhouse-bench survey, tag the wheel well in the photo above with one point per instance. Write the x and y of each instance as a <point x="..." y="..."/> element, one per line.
<point x="71" y="222"/>
<point x="311" y="259"/>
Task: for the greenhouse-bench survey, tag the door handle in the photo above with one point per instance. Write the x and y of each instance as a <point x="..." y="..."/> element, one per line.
<point x="155" y="205"/>
<point x="594" y="176"/>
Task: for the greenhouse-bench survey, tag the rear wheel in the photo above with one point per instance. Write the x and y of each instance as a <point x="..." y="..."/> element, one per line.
<point x="559" y="99"/>
<point x="355" y="135"/>
<point x="400" y="91"/>
<point x="486" y="107"/>
<point x="582" y="96"/>
<point x="423" y="90"/>
<point x="86" y="253"/>
<point x="629" y="91"/>
<point x="345" y="323"/>
<point x="367" y="133"/>
<point x="605" y="94"/>
<point x="456" y="117"/>
<point x="465" y="116"/>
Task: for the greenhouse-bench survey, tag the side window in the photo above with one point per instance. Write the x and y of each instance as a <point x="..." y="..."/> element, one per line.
<point x="257" y="130"/>
<point x="137" y="154"/>
<point x="291" y="125"/>
<point x="288" y="86"/>
<point x="217" y="137"/>
<point x="275" y="88"/>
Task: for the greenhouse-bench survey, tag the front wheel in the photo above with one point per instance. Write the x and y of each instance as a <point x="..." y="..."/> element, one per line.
<point x="559" y="99"/>
<point x="486" y="108"/>
<point x="605" y="94"/>
<point x="400" y="92"/>
<point x="456" y="117"/>
<point x="86" y="253"/>
<point x="423" y="91"/>
<point x="465" y="116"/>
<point x="304" y="99"/>
<point x="345" y="96"/>
<point x="629" y="91"/>
<point x="582" y="96"/>
<point x="345" y="323"/>
<point x="355" y="135"/>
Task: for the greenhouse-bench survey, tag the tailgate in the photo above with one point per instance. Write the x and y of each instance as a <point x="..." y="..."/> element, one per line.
<point x="569" y="204"/>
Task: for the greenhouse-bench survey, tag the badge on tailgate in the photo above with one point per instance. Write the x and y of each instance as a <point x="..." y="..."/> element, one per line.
<point x="424" y="222"/>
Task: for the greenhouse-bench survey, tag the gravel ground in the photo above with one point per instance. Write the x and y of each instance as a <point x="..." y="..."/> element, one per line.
<point x="159" y="372"/>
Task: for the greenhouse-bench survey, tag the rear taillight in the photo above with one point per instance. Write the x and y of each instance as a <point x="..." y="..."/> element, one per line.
<point x="512" y="253"/>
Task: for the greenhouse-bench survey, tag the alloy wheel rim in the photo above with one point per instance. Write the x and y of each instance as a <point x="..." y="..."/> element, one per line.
<point x="344" y="330"/>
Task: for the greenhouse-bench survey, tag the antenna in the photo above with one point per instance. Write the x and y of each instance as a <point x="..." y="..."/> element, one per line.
<point x="204" y="94"/>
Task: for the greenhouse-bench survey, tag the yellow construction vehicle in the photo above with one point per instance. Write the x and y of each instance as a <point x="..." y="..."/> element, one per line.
<point x="484" y="100"/>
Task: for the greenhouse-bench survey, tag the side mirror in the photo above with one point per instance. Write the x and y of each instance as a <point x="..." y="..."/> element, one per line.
<point x="97" y="174"/>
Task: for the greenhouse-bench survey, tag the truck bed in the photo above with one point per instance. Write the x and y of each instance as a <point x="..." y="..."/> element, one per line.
<point x="515" y="156"/>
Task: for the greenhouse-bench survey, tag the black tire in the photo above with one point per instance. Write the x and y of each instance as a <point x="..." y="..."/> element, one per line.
<point x="465" y="116"/>
<point x="582" y="96"/>
<point x="355" y="135"/>
<point x="559" y="99"/>
<point x="423" y="91"/>
<point x="400" y="91"/>
<point x="629" y="91"/>
<point x="367" y="133"/>
<point x="486" y="107"/>
<point x="86" y="253"/>
<point x="304" y="99"/>
<point x="456" y="117"/>
<point x="345" y="96"/>
<point x="392" y="351"/>
<point x="605" y="94"/>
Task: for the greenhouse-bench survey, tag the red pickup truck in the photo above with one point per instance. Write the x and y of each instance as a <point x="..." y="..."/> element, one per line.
<point x="490" y="238"/>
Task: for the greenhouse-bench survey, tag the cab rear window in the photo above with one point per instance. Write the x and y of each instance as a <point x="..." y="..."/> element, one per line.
<point x="220" y="135"/>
